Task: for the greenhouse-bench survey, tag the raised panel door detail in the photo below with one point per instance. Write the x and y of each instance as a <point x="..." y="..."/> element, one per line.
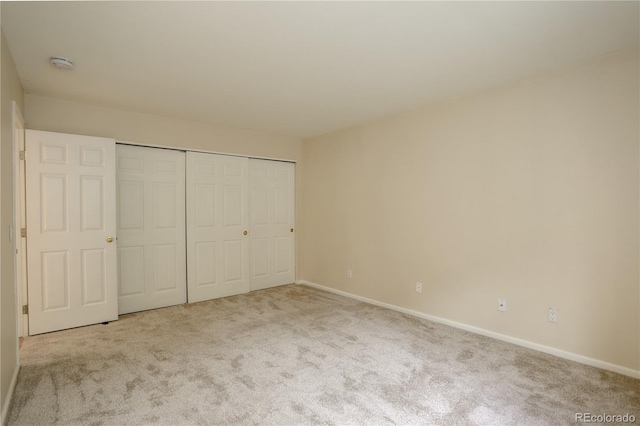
<point x="282" y="175"/>
<point x="205" y="213"/>
<point x="258" y="173"/>
<point x="232" y="214"/>
<point x="130" y="205"/>
<point x="91" y="157"/>
<point x="94" y="284"/>
<point x="232" y="170"/>
<point x="55" y="280"/>
<point x="233" y="260"/>
<point x="53" y="203"/>
<point x="130" y="163"/>
<point x="165" y="166"/>
<point x="131" y="261"/>
<point x="164" y="258"/>
<point x="204" y="168"/>
<point x="282" y="206"/>
<point x="53" y="154"/>
<point x="260" y="256"/>
<point x="205" y="263"/>
<point x="283" y="262"/>
<point x="92" y="203"/>
<point x="260" y="205"/>
<point x="164" y="205"/>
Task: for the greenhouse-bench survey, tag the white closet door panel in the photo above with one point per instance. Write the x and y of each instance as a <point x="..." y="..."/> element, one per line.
<point x="151" y="228"/>
<point x="272" y="221"/>
<point x="217" y="217"/>
<point x="70" y="182"/>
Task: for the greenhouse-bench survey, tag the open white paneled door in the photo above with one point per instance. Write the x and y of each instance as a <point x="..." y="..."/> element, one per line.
<point x="217" y="226"/>
<point x="71" y="225"/>
<point x="272" y="213"/>
<point x="151" y="228"/>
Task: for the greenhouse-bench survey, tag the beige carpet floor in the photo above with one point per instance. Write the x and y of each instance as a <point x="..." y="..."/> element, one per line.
<point x="294" y="355"/>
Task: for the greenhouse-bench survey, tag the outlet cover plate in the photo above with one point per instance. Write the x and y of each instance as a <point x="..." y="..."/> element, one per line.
<point x="502" y="305"/>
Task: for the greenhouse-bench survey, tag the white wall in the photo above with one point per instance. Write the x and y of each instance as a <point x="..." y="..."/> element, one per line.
<point x="11" y="91"/>
<point x="56" y="115"/>
<point x="527" y="192"/>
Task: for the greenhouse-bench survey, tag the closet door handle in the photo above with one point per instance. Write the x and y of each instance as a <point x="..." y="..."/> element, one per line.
<point x="245" y="233"/>
<point x="291" y="230"/>
<point x="109" y="239"/>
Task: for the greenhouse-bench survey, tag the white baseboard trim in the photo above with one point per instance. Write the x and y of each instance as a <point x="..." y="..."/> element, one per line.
<point x="7" y="399"/>
<point x="477" y="330"/>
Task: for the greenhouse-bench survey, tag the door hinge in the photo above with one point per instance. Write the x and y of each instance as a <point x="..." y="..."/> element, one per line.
<point x="25" y="309"/>
<point x="22" y="155"/>
<point x="23" y="232"/>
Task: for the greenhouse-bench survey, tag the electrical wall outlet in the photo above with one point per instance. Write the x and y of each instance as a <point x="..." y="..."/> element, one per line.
<point x="502" y="305"/>
<point x="349" y="274"/>
<point x="552" y="315"/>
<point x="418" y="287"/>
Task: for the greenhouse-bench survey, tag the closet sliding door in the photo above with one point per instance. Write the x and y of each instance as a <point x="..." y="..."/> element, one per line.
<point x="151" y="228"/>
<point x="272" y="213"/>
<point x="217" y="226"/>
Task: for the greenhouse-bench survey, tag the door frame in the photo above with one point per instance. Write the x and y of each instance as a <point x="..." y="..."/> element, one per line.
<point x="19" y="221"/>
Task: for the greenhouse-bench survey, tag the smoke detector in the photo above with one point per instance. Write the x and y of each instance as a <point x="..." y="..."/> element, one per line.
<point x="61" y="63"/>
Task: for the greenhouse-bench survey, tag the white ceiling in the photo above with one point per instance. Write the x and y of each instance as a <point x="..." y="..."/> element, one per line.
<point x="300" y="68"/>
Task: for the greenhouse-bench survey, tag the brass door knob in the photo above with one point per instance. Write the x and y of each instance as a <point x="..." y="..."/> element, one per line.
<point x="245" y="233"/>
<point x="109" y="239"/>
<point x="291" y="230"/>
